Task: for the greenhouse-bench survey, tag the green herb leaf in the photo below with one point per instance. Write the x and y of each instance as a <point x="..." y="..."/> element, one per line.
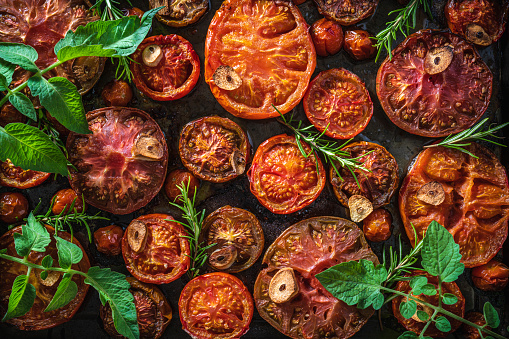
<point x="442" y="324"/>
<point x="62" y="100"/>
<point x="408" y="335"/>
<point x="23" y="105"/>
<point x="66" y="292"/>
<point x="417" y="283"/>
<point x="429" y="289"/>
<point x="6" y="70"/>
<point x="28" y="147"/>
<point x="33" y="237"/>
<point x="115" y="289"/>
<point x="491" y="315"/>
<point x="423" y="316"/>
<point x="408" y="309"/>
<point x="19" y="54"/>
<point x="68" y="253"/>
<point x="47" y="261"/>
<point x="21" y="299"/>
<point x="44" y="275"/>
<point x="103" y="299"/>
<point x="449" y="299"/>
<point x="3" y="82"/>
<point x="355" y="282"/>
<point x="440" y="254"/>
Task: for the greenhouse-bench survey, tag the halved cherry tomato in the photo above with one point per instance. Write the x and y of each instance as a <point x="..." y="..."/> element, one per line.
<point x="36" y="318"/>
<point x="155" y="249"/>
<point x="345" y="12"/>
<point x="63" y="199"/>
<point x="117" y="93"/>
<point x="476" y="205"/>
<point x="274" y="60"/>
<point x="180" y="13"/>
<point x="214" y="149"/>
<point x="108" y="239"/>
<point x="13" y="207"/>
<point x="178" y="178"/>
<point x="377" y="225"/>
<point x="309" y="247"/>
<point x="327" y="37"/>
<point x="338" y="103"/>
<point x="215" y="306"/>
<point x="238" y="236"/>
<point x="282" y="179"/>
<point x="14" y="176"/>
<point x="492" y="276"/>
<point x="165" y="67"/>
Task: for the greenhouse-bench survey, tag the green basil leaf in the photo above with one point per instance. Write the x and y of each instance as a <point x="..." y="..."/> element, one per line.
<point x="33" y="237"/>
<point x="3" y="83"/>
<point x="442" y="324"/>
<point x="103" y="299"/>
<point x="21" y="299"/>
<point x="66" y="291"/>
<point x="416" y="283"/>
<point x="449" y="299"/>
<point x="491" y="315"/>
<point x="440" y="254"/>
<point x="62" y="100"/>
<point x="429" y="289"/>
<point x="68" y="253"/>
<point x="23" y="105"/>
<point x="47" y="261"/>
<point x="7" y="70"/>
<point x="408" y="309"/>
<point x="115" y="288"/>
<point x="29" y="148"/>
<point x="423" y="316"/>
<point x="44" y="275"/>
<point x="408" y="335"/>
<point x="19" y="54"/>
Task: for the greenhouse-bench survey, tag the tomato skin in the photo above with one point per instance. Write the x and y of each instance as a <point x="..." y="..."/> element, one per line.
<point x="180" y="14"/>
<point x="359" y="45"/>
<point x="117" y="93"/>
<point x="14" y="176"/>
<point x="63" y="199"/>
<point x="288" y="186"/>
<point x="108" y="239"/>
<point x="492" y="276"/>
<point x="377" y="225"/>
<point x="9" y="114"/>
<point x="177" y="178"/>
<point x="13" y="207"/>
<point x="210" y="293"/>
<point x="327" y="37"/>
<point x="133" y="11"/>
<point x="469" y="332"/>
<point x="341" y="11"/>
<point x="176" y="74"/>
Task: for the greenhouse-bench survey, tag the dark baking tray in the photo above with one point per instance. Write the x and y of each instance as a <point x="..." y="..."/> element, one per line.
<point x="172" y="116"/>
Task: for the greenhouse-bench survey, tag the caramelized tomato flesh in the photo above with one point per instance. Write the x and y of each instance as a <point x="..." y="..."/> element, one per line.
<point x="14" y="176"/>
<point x="346" y="12"/>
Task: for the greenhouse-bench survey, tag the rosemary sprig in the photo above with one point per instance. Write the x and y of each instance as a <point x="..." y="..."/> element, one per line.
<point x="404" y="22"/>
<point x="193" y="227"/>
<point x="465" y="138"/>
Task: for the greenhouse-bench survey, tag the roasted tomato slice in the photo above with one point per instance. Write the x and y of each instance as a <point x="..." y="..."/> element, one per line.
<point x="378" y="185"/>
<point x="215" y="306"/>
<point x="214" y="149"/>
<point x="155" y="249"/>
<point x="346" y="12"/>
<point x="13" y="207"/>
<point x="475" y="203"/>
<point x="414" y="324"/>
<point x="338" y="103"/>
<point x="274" y="61"/>
<point x="180" y="13"/>
<point x="36" y="318"/>
<point x="14" y="176"/>
<point x="481" y="22"/>
<point x="121" y="166"/>
<point x="492" y="276"/>
<point x="282" y="179"/>
<point x="152" y="309"/>
<point x="238" y="237"/>
<point x="165" y="67"/>
<point x="435" y="84"/>
<point x="310" y="247"/>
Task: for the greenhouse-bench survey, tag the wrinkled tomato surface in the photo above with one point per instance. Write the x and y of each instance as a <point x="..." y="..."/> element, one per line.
<point x="338" y="103"/>
<point x="346" y="12"/>
<point x="121" y="166"/>
<point x="327" y="37"/>
<point x="215" y="306"/>
<point x="108" y="239"/>
<point x="378" y="184"/>
<point x="275" y="61"/>
<point x="36" y="319"/>
<point x="178" y="178"/>
<point x="359" y="44"/>
<point x="476" y="205"/>
<point x="64" y="199"/>
<point x="179" y="13"/>
<point x="492" y="276"/>
<point x="434" y="105"/>
<point x="310" y="247"/>
<point x="14" y="176"/>
<point x="214" y="149"/>
<point x="13" y="207"/>
<point x="164" y="256"/>
<point x="377" y="225"/>
<point x="176" y="73"/>
<point x="282" y="179"/>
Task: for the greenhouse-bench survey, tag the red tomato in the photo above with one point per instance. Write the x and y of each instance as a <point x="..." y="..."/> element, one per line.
<point x="13" y="207"/>
<point x="346" y="13"/>
<point x="14" y="176"/>
<point x="492" y="276"/>
<point x="327" y="37"/>
<point x="108" y="239"/>
<point x="359" y="44"/>
<point x="117" y="93"/>
<point x="338" y="103"/>
<point x="63" y="200"/>
<point x="180" y="13"/>
<point x="274" y="61"/>
<point x="282" y="179"/>
<point x="215" y="306"/>
<point x="177" y="178"/>
<point x="377" y="225"/>
<point x="469" y="332"/>
<point x="133" y="11"/>
<point x="165" y="67"/>
<point x="8" y="114"/>
<point x="155" y="249"/>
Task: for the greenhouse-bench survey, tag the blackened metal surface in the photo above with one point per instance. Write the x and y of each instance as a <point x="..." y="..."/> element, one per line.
<point x="172" y="116"/>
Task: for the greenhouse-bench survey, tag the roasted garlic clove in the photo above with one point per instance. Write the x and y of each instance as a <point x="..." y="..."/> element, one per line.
<point x="137" y="235"/>
<point x="283" y="286"/>
<point x="360" y="207"/>
<point x="431" y="193"/>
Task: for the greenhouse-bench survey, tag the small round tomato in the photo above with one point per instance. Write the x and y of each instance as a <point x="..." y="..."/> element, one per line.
<point x="13" y="207"/>
<point x="492" y="276"/>
<point x="475" y="204"/>
<point x="282" y="179"/>
<point x="117" y="93"/>
<point x="346" y="13"/>
<point x="155" y="249"/>
<point x="469" y="332"/>
<point x="165" y="67"/>
<point x="14" y="176"/>
<point x="177" y="178"/>
<point x="215" y="306"/>
<point x="359" y="44"/>
<point x="64" y="199"/>
<point x="36" y="318"/>
<point x="377" y="225"/>
<point x="121" y="166"/>
<point x="9" y="114"/>
<point x="268" y="46"/>
<point x="414" y="324"/>
<point x="327" y="36"/>
<point x="238" y="238"/>
<point x="214" y="149"/>
<point x="338" y="103"/>
<point x="108" y="239"/>
<point x="180" y="13"/>
<point x="152" y="310"/>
